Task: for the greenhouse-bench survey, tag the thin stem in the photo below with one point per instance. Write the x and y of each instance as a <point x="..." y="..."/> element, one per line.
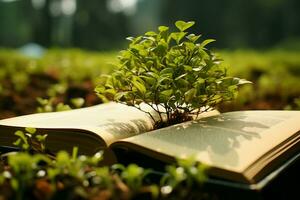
<point x="159" y="113"/>
<point x="168" y="113"/>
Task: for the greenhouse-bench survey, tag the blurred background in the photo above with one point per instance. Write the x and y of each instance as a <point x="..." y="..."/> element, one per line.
<point x="56" y="49"/>
<point x="103" y="24"/>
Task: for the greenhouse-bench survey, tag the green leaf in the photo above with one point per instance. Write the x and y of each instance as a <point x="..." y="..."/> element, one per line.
<point x="149" y="80"/>
<point x="140" y="87"/>
<point x="188" y="68"/>
<point x="150" y="33"/>
<point x="166" y="71"/>
<point x="119" y="95"/>
<point x="167" y="93"/>
<point x="197" y="69"/>
<point x="42" y="101"/>
<point x="21" y="135"/>
<point x="41" y="138"/>
<point x="30" y="130"/>
<point x="62" y="158"/>
<point x="130" y="38"/>
<point x="193" y="38"/>
<point x="178" y="36"/>
<point x="190" y="94"/>
<point x="182" y="26"/>
<point x="200" y="81"/>
<point x="152" y="74"/>
<point x="62" y="107"/>
<point x="25" y="146"/>
<point x="162" y="79"/>
<point x="183" y="83"/>
<point x="110" y="92"/>
<point x="243" y="81"/>
<point x="17" y="142"/>
<point x="163" y="28"/>
<point x="149" y="38"/>
<point x="181" y="76"/>
<point x="161" y="47"/>
<point x="206" y="42"/>
<point x="77" y="102"/>
<point x="74" y="153"/>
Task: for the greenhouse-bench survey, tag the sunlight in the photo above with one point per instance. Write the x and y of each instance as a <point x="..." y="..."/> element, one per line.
<point x="126" y="6"/>
<point x="64" y="7"/>
<point x="8" y="1"/>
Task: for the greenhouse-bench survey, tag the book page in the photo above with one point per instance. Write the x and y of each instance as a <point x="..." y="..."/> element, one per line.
<point x="232" y="141"/>
<point x="110" y="121"/>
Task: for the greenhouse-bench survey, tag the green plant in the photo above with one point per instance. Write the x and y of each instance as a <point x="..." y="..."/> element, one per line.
<point x="72" y="176"/>
<point x="170" y="72"/>
<point x="181" y="180"/>
<point x="63" y="74"/>
<point x="80" y="177"/>
<point x="49" y="105"/>
<point x="24" y="169"/>
<point x="30" y="140"/>
<point x="294" y="106"/>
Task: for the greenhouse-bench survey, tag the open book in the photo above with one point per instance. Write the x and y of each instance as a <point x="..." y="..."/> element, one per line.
<point x="242" y="146"/>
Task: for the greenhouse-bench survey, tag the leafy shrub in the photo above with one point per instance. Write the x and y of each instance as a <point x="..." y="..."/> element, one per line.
<point x="170" y="72"/>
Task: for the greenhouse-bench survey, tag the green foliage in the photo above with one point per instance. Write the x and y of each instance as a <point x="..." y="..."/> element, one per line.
<point x="30" y="140"/>
<point x="74" y="66"/>
<point x="295" y="105"/>
<point x="35" y="175"/>
<point x="24" y="169"/>
<point x="62" y="74"/>
<point x="12" y="68"/>
<point x="188" y="173"/>
<point x="275" y="74"/>
<point x="169" y="70"/>
<point x="49" y="105"/>
<point x="80" y="177"/>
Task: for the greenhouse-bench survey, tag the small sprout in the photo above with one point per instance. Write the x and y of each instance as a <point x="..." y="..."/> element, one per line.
<point x="22" y="141"/>
<point x="31" y="140"/>
<point x="62" y="107"/>
<point x="46" y="105"/>
<point x="77" y="102"/>
<point x="97" y="157"/>
<point x="30" y="130"/>
<point x="182" y="26"/>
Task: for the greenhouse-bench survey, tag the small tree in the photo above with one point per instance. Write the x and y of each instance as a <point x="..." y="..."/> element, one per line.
<point x="172" y="73"/>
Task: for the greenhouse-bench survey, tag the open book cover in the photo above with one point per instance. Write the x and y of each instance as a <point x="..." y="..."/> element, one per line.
<point x="241" y="146"/>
